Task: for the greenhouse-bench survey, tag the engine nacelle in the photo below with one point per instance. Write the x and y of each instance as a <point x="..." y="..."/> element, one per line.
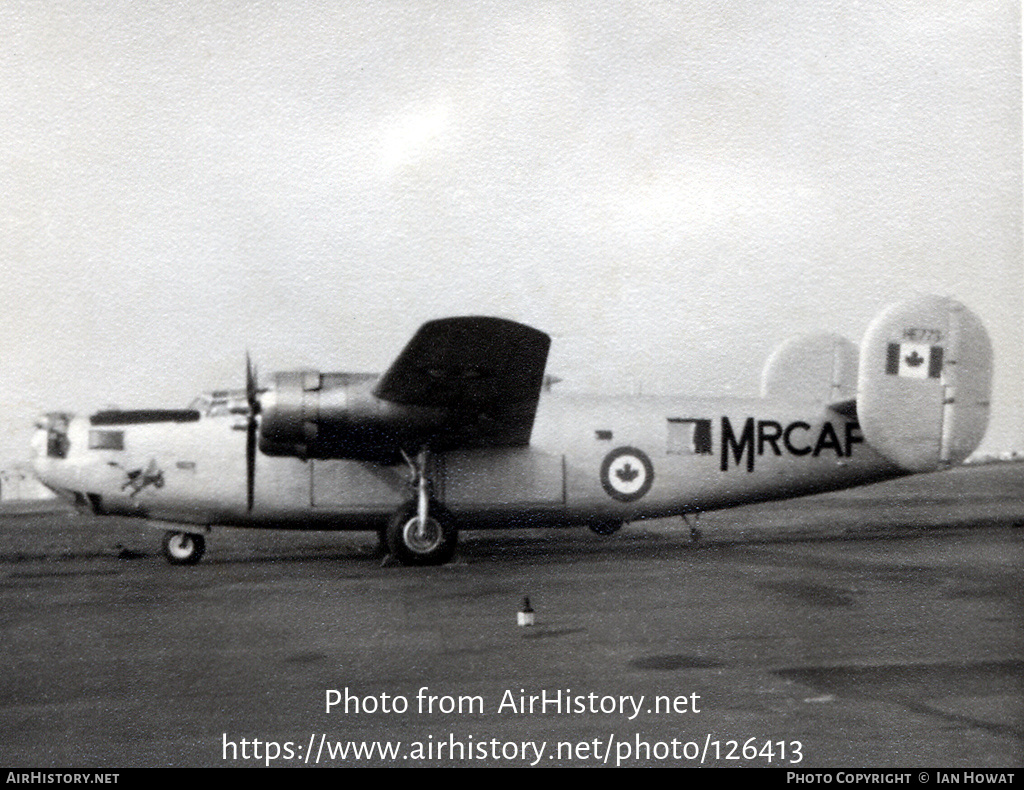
<point x="308" y="414"/>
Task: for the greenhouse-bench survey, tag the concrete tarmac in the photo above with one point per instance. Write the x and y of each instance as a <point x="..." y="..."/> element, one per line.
<point x="881" y="627"/>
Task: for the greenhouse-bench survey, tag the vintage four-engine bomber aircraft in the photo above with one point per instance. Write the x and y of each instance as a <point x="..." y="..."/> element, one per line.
<point x="461" y="431"/>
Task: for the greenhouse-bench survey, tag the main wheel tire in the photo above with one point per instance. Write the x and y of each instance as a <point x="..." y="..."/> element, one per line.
<point x="183" y="548"/>
<point x="433" y="546"/>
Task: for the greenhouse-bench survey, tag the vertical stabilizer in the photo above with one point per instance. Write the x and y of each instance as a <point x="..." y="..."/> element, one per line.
<point x="924" y="383"/>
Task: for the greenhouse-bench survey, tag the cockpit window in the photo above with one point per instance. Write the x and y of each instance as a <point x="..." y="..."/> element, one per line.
<point x="220" y="403"/>
<point x="142" y="416"/>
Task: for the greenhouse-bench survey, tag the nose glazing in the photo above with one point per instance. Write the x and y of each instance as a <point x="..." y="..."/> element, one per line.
<point x="50" y="440"/>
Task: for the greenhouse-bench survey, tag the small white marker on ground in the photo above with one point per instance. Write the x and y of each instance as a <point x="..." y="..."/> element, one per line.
<point x="525" y="616"/>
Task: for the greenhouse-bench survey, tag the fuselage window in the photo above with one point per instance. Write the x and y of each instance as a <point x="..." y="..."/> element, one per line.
<point x="689" y="436"/>
<point x="106" y="440"/>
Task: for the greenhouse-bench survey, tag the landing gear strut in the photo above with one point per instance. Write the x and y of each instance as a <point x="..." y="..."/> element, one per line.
<point x="183" y="548"/>
<point x="695" y="533"/>
<point x="422" y="531"/>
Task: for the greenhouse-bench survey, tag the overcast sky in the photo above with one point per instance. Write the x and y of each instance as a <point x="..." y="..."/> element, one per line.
<point x="668" y="189"/>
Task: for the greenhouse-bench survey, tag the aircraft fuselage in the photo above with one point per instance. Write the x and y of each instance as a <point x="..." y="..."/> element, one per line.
<point x="613" y="459"/>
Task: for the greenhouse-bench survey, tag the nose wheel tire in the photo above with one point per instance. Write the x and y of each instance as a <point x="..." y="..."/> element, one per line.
<point x="432" y="544"/>
<point x="183" y="548"/>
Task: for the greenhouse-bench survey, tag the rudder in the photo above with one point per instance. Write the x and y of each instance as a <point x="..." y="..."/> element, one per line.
<point x="924" y="383"/>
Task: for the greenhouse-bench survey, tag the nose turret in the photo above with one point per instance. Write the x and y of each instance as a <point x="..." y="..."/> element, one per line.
<point x="50" y="446"/>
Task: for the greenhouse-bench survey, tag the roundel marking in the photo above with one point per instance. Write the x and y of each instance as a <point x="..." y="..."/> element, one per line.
<point x="627" y="474"/>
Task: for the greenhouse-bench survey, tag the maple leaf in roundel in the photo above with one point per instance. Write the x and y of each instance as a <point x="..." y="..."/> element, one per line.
<point x="914" y="359"/>
<point x="627" y="473"/>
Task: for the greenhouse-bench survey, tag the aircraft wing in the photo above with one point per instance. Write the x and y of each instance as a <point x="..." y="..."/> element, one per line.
<point x="485" y="372"/>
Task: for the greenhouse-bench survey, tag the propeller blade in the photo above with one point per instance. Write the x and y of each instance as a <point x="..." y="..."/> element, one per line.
<point x="251" y="387"/>
<point x="250" y="463"/>
<point x="251" y="390"/>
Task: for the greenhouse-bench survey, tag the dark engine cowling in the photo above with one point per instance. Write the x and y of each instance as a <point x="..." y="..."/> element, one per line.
<point x="463" y="382"/>
<point x="308" y="414"/>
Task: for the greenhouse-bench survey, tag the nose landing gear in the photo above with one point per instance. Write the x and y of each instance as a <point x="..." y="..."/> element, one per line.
<point x="183" y="548"/>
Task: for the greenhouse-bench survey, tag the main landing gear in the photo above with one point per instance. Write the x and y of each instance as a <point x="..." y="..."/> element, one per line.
<point x="183" y="548"/>
<point x="695" y="533"/>
<point x="422" y="531"/>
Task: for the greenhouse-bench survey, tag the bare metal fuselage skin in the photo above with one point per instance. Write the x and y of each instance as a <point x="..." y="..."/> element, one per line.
<point x="590" y="459"/>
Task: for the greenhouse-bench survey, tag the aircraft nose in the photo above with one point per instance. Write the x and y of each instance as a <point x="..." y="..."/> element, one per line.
<point x="38" y="446"/>
<point x="50" y="445"/>
<point x="41" y="438"/>
<point x="50" y="440"/>
<point x="38" y="443"/>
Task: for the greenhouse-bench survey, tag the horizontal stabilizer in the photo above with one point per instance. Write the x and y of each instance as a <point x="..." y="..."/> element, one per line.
<point x="924" y="384"/>
<point x="821" y="367"/>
